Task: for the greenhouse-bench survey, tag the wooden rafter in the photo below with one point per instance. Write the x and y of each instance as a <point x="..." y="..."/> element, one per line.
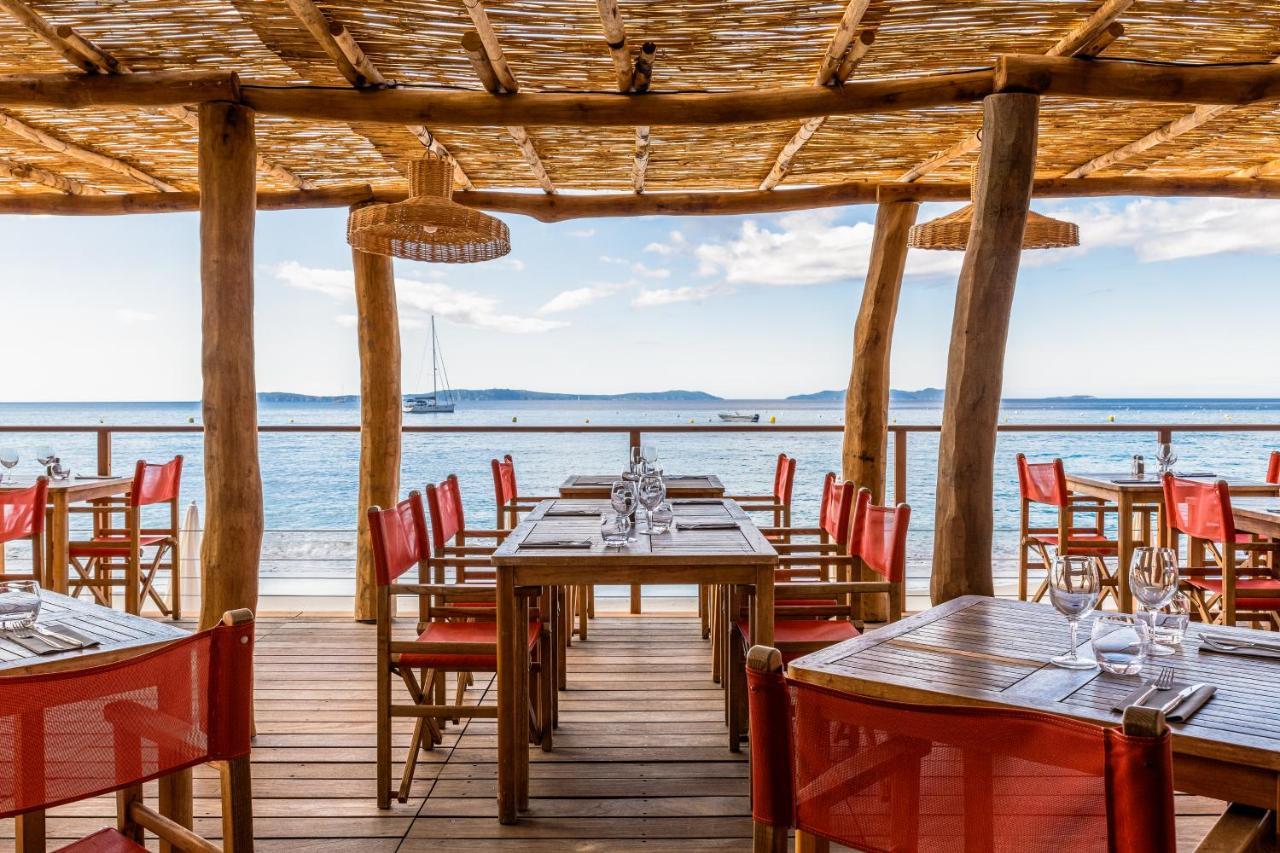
<point x="1086" y="40"/>
<point x="91" y="58"/>
<point x="1262" y="170"/>
<point x="82" y="153"/>
<point x="641" y="76"/>
<point x="354" y="64"/>
<point x="497" y="77"/>
<point x="52" y="180"/>
<point x="629" y="78"/>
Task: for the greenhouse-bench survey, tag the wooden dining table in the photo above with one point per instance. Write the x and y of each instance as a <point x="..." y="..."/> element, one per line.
<point x="1128" y="493"/>
<point x="976" y="650"/>
<point x="1257" y="515"/>
<point x="738" y="555"/>
<point x="61" y="495"/>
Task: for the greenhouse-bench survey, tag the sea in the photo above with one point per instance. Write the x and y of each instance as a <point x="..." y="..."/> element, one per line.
<point x="309" y="479"/>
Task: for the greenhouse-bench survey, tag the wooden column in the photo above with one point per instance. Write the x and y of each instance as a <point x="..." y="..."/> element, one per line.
<point x="866" y="405"/>
<point x="979" y="331"/>
<point x="233" y="482"/>
<point x="380" y="408"/>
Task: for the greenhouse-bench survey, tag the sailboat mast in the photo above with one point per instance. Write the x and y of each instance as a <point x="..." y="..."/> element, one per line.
<point x="433" y="356"/>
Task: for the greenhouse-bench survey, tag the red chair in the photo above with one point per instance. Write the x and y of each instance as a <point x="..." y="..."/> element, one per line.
<point x="22" y="517"/>
<point x="1045" y="483"/>
<point x="1273" y="467"/>
<point x="1222" y="586"/>
<point x="72" y="735"/>
<point x="113" y="550"/>
<point x="878" y="776"/>
<point x="456" y="633"/>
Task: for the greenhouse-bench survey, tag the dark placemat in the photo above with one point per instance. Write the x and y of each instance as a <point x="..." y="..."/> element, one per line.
<point x="1182" y="712"/>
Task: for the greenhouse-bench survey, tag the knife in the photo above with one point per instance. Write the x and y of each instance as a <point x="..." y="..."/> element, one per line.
<point x="1183" y="695"/>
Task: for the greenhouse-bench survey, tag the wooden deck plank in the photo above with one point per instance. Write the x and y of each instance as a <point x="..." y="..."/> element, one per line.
<point x="640" y="760"/>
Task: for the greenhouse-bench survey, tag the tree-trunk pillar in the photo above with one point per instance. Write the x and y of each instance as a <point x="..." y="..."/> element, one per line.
<point x="380" y="408"/>
<point x="866" y="405"/>
<point x="979" y="332"/>
<point x="232" y="541"/>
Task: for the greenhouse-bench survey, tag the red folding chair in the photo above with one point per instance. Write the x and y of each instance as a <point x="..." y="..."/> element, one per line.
<point x="1273" y="467"/>
<point x="1045" y="484"/>
<point x="22" y="517"/>
<point x="883" y="776"/>
<point x="1223" y="583"/>
<point x="99" y="560"/>
<point x="76" y="734"/>
<point x="456" y="633"/>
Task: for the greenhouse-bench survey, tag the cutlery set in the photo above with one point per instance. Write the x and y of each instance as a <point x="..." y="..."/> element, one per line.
<point x="44" y="640"/>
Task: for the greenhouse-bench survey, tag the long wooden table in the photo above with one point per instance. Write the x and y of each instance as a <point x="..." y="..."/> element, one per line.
<point x="1126" y="493"/>
<point x="737" y="556"/>
<point x="61" y="495"/>
<point x="985" y="651"/>
<point x="1257" y="515"/>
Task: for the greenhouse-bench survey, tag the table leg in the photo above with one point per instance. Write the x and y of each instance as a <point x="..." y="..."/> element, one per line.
<point x="510" y="737"/>
<point x="522" y="709"/>
<point x="1124" y="549"/>
<point x="59" y="538"/>
<point x="29" y="832"/>
<point x="635" y="598"/>
<point x="762" y="618"/>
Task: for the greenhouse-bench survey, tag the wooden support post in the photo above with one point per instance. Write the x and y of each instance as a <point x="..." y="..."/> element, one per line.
<point x="104" y="452"/>
<point x="979" y="331"/>
<point x="232" y="541"/>
<point x="866" y="406"/>
<point x="380" y="409"/>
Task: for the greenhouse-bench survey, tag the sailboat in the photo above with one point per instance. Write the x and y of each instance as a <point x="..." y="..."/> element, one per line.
<point x="435" y="402"/>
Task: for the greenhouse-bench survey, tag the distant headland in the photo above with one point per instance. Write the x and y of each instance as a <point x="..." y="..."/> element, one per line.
<point x="924" y="395"/>
<point x="490" y="394"/>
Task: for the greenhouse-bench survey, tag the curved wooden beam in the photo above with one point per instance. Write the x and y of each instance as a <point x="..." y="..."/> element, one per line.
<point x="1111" y="80"/>
<point x="43" y="177"/>
<point x="152" y="89"/>
<point x="82" y="153"/>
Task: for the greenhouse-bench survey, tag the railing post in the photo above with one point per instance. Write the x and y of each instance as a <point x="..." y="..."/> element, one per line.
<point x="633" y="438"/>
<point x="1164" y="435"/>
<point x="899" y="466"/>
<point x="104" y="452"/>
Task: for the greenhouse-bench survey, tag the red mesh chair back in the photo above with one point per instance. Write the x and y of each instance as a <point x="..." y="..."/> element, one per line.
<point x="1273" y="467"/>
<point x="156" y="483"/>
<point x="1042" y="482"/>
<point x="444" y="502"/>
<point x="880" y="536"/>
<point x="836" y="509"/>
<point x="1202" y="510"/>
<point x="71" y="735"/>
<point x="399" y="537"/>
<point x="504" y="480"/>
<point x="882" y="776"/>
<point x="784" y="479"/>
<point x="22" y="512"/>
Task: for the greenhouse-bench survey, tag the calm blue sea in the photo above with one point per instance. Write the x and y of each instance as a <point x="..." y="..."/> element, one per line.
<point x="310" y="479"/>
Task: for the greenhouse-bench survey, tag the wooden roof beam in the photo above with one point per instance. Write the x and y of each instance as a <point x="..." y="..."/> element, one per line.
<point x="615" y="34"/>
<point x="1262" y="170"/>
<point x="82" y="153"/>
<point x="492" y="48"/>
<point x="1086" y="40"/>
<point x="478" y="52"/>
<point x="1138" y="81"/>
<point x="641" y="77"/>
<point x="36" y="23"/>
<point x="1159" y="136"/>
<point x="43" y="177"/>
<point x="840" y="41"/>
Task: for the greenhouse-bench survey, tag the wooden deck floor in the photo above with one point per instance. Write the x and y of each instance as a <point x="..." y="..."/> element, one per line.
<point x="640" y="760"/>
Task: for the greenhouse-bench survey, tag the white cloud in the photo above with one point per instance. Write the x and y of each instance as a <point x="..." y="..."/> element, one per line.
<point x="806" y="248"/>
<point x="512" y="263"/>
<point x="346" y="321"/>
<point x="672" y="296"/>
<point x="579" y="297"/>
<point x="417" y="298"/>
<point x="677" y="242"/>
<point x="582" y="233"/>
<point x="133" y="315"/>
<point x="609" y="259"/>
<point x="650" y="272"/>
<point x="1159" y="230"/>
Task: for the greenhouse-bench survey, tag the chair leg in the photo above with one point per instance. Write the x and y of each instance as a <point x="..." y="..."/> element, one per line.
<point x="591" y="601"/>
<point x="583" y="613"/>
<point x="703" y="618"/>
<point x="734" y="680"/>
<point x="546" y="689"/>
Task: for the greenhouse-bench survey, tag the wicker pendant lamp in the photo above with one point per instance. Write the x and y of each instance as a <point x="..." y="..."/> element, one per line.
<point x="428" y="225"/>
<point x="951" y="232"/>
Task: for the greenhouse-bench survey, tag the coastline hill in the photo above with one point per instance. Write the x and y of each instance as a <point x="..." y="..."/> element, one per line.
<point x="482" y="394"/>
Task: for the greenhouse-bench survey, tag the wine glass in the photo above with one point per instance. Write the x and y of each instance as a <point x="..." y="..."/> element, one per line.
<point x="1074" y="586"/>
<point x="649" y="455"/>
<point x="636" y="459"/>
<point x="8" y="459"/>
<point x="1165" y="457"/>
<point x="652" y="492"/>
<point x="1153" y="580"/>
<point x="45" y="455"/>
<point x="622" y="496"/>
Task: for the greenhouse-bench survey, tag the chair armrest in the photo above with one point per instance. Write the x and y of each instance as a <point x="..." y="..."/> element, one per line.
<point x="791" y="560"/>
<point x="815" y="548"/>
<point x="485" y="533"/>
<point x="461" y="550"/>
<point x="792" y="531"/>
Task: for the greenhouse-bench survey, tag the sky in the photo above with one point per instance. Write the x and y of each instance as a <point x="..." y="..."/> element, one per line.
<point x="1162" y="298"/>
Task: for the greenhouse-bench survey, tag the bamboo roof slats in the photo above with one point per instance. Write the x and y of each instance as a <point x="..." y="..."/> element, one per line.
<point x="43" y="177"/>
<point x="79" y="152"/>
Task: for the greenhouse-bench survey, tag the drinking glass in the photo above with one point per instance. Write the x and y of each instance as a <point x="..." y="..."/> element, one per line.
<point x="652" y="492"/>
<point x="622" y="497"/>
<point x="661" y="518"/>
<point x="1074" y="586"/>
<point x="1153" y="580"/>
<point x="649" y="453"/>
<point x="45" y="455"/>
<point x="636" y="459"/>
<point x="19" y="604"/>
<point x="8" y="459"/>
<point x="613" y="529"/>
<point x="1165" y="457"/>
<point x="1171" y="625"/>
<point x="1120" y="643"/>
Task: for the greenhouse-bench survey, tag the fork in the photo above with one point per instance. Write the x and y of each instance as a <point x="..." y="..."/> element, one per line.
<point x="1162" y="681"/>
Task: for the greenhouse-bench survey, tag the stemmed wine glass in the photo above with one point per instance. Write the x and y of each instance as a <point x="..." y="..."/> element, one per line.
<point x="1074" y="587"/>
<point x="1165" y="457"/>
<point x="45" y="456"/>
<point x="8" y="459"/>
<point x="636" y="458"/>
<point x="1153" y="580"/>
<point x="649" y="456"/>
<point x="652" y="493"/>
<point x="622" y="496"/>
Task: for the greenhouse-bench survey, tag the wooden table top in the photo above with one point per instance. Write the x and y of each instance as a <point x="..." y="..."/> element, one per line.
<point x="72" y="485"/>
<point x="119" y="635"/>
<point x="1152" y="486"/>
<point x="678" y="485"/>
<point x="985" y="651"/>
<point x="1257" y="515"/>
<point x="743" y="544"/>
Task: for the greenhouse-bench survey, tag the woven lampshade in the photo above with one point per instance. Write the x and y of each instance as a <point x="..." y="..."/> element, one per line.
<point x="951" y="232"/>
<point x="428" y="225"/>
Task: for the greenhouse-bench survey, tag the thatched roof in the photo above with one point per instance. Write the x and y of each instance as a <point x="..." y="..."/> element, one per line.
<point x="560" y="46"/>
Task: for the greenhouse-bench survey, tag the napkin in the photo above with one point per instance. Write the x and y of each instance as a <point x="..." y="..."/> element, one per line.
<point x="1182" y="712"/>
<point x="1240" y="647"/>
<point x="50" y="639"/>
<point x="556" y="543"/>
<point x="1131" y="481"/>
<point x="697" y="502"/>
<point x="573" y="512"/>
<point x="705" y="524"/>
